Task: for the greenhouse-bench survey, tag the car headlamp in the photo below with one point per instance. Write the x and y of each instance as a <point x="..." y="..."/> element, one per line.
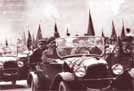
<point x="80" y="72"/>
<point x="20" y="64"/>
<point x="117" y="69"/>
<point x="1" y="65"/>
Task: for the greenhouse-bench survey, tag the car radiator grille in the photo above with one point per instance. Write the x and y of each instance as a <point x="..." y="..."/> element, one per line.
<point x="94" y="72"/>
<point x="10" y="67"/>
<point x="97" y="71"/>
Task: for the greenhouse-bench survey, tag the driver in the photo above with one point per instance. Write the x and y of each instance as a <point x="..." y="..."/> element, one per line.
<point x="95" y="50"/>
<point x="80" y="50"/>
<point x="77" y="49"/>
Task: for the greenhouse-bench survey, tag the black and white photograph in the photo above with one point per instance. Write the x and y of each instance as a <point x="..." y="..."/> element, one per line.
<point x="66" y="45"/>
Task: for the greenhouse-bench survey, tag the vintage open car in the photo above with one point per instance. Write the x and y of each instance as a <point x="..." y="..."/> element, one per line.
<point x="13" y="66"/>
<point x="78" y="63"/>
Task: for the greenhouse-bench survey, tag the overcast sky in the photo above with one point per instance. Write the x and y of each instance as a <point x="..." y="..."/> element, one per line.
<point x="17" y="16"/>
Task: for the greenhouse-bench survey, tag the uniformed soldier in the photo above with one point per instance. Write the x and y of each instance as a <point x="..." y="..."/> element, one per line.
<point x="50" y="53"/>
<point x="37" y="53"/>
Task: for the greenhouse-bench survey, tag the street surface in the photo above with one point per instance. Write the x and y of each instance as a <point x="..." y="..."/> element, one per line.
<point x="20" y="86"/>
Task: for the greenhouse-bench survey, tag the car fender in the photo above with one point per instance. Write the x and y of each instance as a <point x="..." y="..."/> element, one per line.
<point x="63" y="76"/>
<point x="66" y="76"/>
<point x="32" y="77"/>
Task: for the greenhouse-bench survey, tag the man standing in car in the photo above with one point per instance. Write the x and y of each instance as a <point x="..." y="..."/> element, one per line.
<point x="37" y="53"/>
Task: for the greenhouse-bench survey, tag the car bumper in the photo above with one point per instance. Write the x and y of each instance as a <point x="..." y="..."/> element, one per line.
<point x="4" y="76"/>
<point x="97" y="83"/>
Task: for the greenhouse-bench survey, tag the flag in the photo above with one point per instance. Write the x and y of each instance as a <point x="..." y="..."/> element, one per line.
<point x="67" y="32"/>
<point x="39" y="34"/>
<point x="113" y="35"/>
<point x="90" y="30"/>
<point x="56" y="33"/>
<point x="103" y="34"/>
<point x="123" y="30"/>
<point x="6" y="42"/>
<point x="29" y="41"/>
<point x="34" y="43"/>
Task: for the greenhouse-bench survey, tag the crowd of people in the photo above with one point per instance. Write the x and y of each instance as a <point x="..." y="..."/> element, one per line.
<point x="47" y="48"/>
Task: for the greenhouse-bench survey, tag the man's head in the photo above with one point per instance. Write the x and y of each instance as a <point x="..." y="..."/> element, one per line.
<point x="51" y="42"/>
<point x="42" y="43"/>
<point x="128" y="30"/>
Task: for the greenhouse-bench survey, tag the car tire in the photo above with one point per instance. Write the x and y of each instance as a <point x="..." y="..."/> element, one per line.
<point x="33" y="86"/>
<point x="63" y="86"/>
<point x="29" y="81"/>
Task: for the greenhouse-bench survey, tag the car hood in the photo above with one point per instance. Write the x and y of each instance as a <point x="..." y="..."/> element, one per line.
<point x="4" y="59"/>
<point x="84" y="61"/>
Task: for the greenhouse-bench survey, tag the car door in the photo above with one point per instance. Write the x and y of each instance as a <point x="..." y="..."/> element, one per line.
<point x="51" y="68"/>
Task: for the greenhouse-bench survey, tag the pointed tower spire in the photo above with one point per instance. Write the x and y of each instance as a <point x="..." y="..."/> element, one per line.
<point x="29" y="40"/>
<point x="113" y="35"/>
<point x="90" y="30"/>
<point x="123" y="30"/>
<point x="67" y="32"/>
<point x="56" y="33"/>
<point x="39" y="33"/>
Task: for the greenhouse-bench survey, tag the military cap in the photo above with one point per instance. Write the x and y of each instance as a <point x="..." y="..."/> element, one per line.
<point x="43" y="41"/>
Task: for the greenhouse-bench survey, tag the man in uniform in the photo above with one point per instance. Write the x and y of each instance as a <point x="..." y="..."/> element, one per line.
<point x="50" y="53"/>
<point x="37" y="53"/>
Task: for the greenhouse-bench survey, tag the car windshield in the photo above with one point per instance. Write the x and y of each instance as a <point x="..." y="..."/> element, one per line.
<point x="89" y="45"/>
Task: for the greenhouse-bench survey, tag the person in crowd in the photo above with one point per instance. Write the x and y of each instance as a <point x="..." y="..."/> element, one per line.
<point x="128" y="32"/>
<point x="37" y="53"/>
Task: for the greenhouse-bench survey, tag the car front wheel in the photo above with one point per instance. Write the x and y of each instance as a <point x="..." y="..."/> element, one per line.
<point x="63" y="86"/>
<point x="34" y="87"/>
